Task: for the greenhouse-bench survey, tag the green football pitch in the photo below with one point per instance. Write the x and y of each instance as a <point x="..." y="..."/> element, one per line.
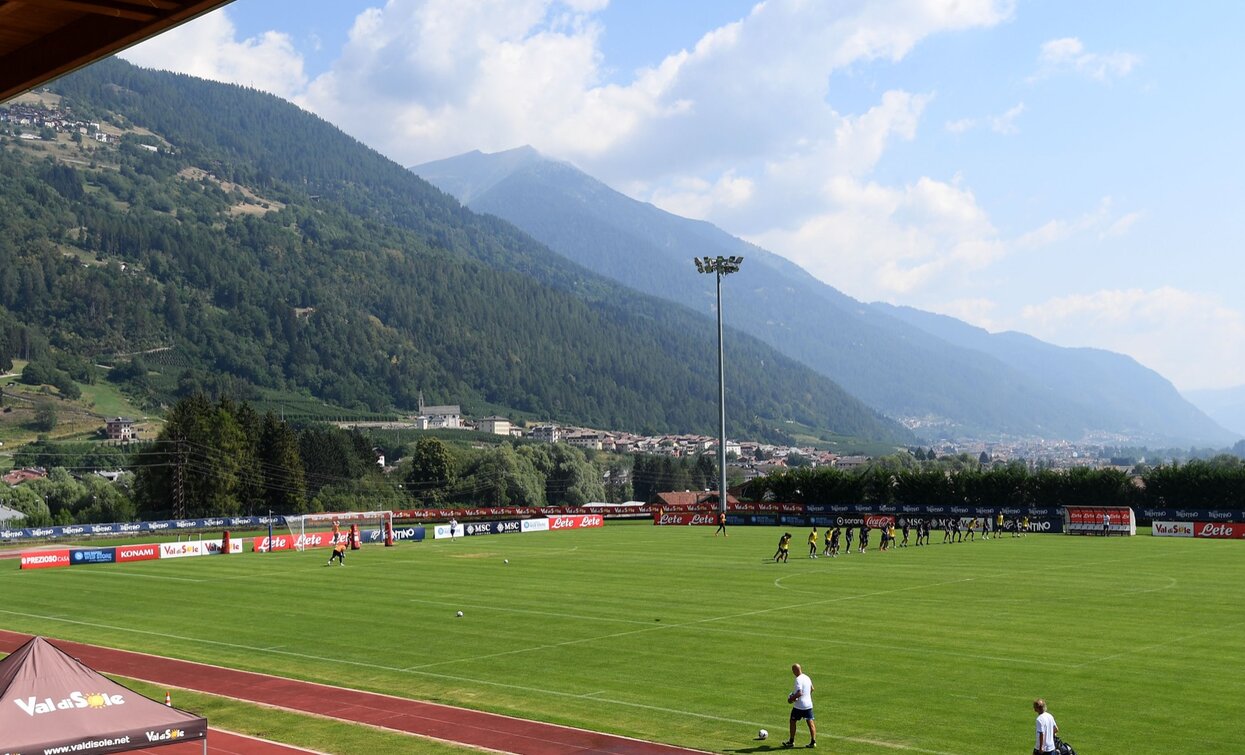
<point x="674" y="635"/>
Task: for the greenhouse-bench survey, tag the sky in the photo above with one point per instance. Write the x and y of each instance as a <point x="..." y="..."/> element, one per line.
<point x="1065" y="169"/>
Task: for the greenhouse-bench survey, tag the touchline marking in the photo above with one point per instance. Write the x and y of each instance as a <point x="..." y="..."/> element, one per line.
<point x="674" y="711"/>
<point x="555" y="693"/>
<point x="526" y="611"/>
<point x="118" y="572"/>
<point x="548" y="646"/>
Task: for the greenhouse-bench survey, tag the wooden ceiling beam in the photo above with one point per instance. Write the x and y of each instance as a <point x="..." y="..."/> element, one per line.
<point x="100" y="8"/>
<point x="94" y="34"/>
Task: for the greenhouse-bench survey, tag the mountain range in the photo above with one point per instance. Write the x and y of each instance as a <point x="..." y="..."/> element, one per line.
<point x="1225" y="405"/>
<point x="938" y="375"/>
<point x="204" y="237"/>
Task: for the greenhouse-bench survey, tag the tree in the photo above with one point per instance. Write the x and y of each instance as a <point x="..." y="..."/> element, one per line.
<point x="284" y="485"/>
<point x="432" y="471"/>
<point x="501" y="477"/>
<point x="45" y="416"/>
<point x="570" y="479"/>
<point x="984" y="458"/>
<point x="200" y="459"/>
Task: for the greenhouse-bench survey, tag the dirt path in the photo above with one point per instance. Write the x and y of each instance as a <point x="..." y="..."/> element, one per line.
<point x="459" y="725"/>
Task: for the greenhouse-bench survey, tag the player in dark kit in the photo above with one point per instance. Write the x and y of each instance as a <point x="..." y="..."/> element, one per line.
<point x="339" y="553"/>
<point x="784" y="547"/>
<point x="849" y="541"/>
<point x="834" y="542"/>
<point x="906" y="525"/>
<point x="864" y="537"/>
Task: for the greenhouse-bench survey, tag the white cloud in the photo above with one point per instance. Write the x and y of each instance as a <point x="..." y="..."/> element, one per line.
<point x="1193" y="339"/>
<point x="1068" y="55"/>
<point x="879" y="242"/>
<point x="423" y="79"/>
<point x="1121" y="226"/>
<point x="1001" y="124"/>
<point x="960" y="126"/>
<point x="1102" y="220"/>
<point x="1006" y="123"/>
<point x="208" y="47"/>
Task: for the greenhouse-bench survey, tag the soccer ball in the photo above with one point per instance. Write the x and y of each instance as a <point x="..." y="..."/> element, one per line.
<point x="459" y="614"/>
<point x="506" y="561"/>
<point x="762" y="734"/>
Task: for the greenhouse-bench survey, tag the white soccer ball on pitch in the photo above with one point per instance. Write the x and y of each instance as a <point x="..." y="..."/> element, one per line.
<point x="762" y="734"/>
<point x="459" y="614"/>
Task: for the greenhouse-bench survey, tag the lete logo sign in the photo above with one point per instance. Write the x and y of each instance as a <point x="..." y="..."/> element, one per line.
<point x="1219" y="530"/>
<point x="576" y="522"/>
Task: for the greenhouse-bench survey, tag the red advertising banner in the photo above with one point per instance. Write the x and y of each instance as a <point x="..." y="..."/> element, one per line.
<point x="1220" y="530"/>
<point x="126" y="553"/>
<point x="684" y="518"/>
<point x="288" y="542"/>
<point x="579" y="521"/>
<point x="45" y="559"/>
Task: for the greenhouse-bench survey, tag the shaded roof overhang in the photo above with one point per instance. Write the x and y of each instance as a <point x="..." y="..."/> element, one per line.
<point x="43" y="39"/>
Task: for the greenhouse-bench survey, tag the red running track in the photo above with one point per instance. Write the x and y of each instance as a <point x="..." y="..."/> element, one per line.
<point x="444" y="722"/>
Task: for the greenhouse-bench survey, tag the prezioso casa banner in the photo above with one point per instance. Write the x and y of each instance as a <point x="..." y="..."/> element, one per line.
<point x="45" y="559"/>
<point x="1219" y="530"/>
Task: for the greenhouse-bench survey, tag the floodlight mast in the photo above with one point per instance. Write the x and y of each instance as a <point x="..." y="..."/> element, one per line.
<point x="719" y="266"/>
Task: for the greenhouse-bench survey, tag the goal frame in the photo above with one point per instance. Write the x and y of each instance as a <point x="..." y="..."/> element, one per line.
<point x="300" y="524"/>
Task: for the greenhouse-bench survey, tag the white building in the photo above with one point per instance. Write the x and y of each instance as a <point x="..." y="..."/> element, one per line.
<point x="584" y="440"/>
<point x="494" y="425"/>
<point x="546" y="433"/>
<point x="448" y="417"/>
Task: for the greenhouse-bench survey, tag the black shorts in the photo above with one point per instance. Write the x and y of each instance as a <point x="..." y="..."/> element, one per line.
<point x="798" y="713"/>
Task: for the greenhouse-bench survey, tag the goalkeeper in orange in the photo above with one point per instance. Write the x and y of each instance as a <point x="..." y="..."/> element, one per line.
<point x="339" y="553"/>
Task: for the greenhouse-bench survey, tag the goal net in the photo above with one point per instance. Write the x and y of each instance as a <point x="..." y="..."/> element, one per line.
<point x="352" y="527"/>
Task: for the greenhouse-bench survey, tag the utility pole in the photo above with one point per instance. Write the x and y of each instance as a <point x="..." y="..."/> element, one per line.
<point x="179" y="483"/>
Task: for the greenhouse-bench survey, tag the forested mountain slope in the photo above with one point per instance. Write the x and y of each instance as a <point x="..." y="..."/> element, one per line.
<point x="263" y="244"/>
<point x="902" y="369"/>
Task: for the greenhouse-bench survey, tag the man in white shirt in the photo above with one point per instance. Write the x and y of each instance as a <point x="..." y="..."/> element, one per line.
<point x="1045" y="729"/>
<point x="801" y="700"/>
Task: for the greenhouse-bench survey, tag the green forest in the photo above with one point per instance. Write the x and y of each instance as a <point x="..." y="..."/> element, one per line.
<point x="259" y="249"/>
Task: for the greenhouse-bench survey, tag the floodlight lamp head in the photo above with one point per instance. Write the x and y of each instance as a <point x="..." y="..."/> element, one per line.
<point x="700" y="265"/>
